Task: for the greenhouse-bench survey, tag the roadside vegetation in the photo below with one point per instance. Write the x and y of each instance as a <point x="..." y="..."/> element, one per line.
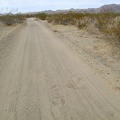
<point x="107" y="23"/>
<point x="11" y="19"/>
<point x="42" y="16"/>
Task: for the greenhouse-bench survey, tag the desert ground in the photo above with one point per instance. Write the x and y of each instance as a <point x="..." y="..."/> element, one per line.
<point x="99" y="53"/>
<point x="53" y="72"/>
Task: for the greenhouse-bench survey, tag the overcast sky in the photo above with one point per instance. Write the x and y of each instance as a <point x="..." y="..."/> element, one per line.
<point x="39" y="5"/>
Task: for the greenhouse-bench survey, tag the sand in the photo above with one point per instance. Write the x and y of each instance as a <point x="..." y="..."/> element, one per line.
<point x="42" y="79"/>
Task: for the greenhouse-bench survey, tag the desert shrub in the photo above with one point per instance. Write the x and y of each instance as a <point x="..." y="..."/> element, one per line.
<point x="81" y="24"/>
<point x="84" y="22"/>
<point x="10" y="19"/>
<point x="114" y="30"/>
<point x="49" y="19"/>
<point x="117" y="31"/>
<point x="65" y="19"/>
<point x="104" y="22"/>
<point x="78" y="19"/>
<point x="19" y="18"/>
<point x="41" y="16"/>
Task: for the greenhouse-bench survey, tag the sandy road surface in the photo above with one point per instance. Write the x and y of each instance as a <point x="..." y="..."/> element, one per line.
<point x="42" y="80"/>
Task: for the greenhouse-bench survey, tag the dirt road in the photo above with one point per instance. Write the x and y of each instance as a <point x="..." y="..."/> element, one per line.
<point x="42" y="80"/>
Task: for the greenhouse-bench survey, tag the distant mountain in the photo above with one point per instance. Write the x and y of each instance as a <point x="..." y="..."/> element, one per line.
<point x="109" y="8"/>
<point x="105" y="8"/>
